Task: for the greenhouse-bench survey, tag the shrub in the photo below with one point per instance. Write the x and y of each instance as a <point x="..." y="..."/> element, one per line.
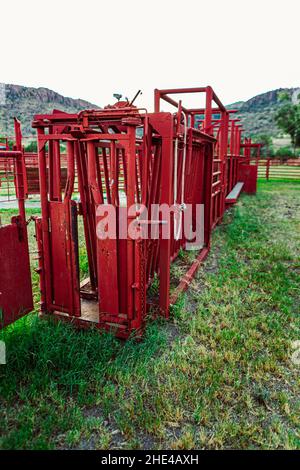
<point x="285" y="152"/>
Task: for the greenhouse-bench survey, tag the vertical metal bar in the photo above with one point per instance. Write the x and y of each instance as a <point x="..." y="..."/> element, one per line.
<point x="208" y="111"/>
<point x="19" y="181"/>
<point x="268" y="168"/>
<point x="45" y="225"/>
<point x="167" y="164"/>
<point x="41" y="267"/>
<point x="114" y="174"/>
<point x="19" y="147"/>
<point x="106" y="175"/>
<point x="156" y="101"/>
<point x="208" y="200"/>
<point x="72" y="234"/>
<point x="87" y="212"/>
<point x="92" y="173"/>
<point x="56" y="171"/>
<point x="52" y="175"/>
<point x="131" y="187"/>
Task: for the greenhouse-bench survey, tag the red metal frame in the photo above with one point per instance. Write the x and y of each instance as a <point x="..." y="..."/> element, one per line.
<point x="211" y="126"/>
<point x="126" y="157"/>
<point x="15" y="277"/>
<point x="112" y="161"/>
<point x="248" y="165"/>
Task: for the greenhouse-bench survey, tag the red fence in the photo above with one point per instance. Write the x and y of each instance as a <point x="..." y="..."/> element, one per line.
<point x="15" y="278"/>
<point x="11" y="160"/>
<point x="32" y="172"/>
<point x="276" y="169"/>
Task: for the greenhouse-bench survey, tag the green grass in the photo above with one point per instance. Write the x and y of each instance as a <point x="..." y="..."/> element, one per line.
<point x="217" y="375"/>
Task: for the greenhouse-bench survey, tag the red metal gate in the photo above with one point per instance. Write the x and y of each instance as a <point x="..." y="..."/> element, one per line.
<point x="15" y="277"/>
<point x="212" y="120"/>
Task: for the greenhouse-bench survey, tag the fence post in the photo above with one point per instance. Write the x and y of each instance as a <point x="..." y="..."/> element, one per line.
<point x="268" y="168"/>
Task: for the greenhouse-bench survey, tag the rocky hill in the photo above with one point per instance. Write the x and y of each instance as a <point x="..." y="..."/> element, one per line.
<point x="257" y="114"/>
<point x="24" y="102"/>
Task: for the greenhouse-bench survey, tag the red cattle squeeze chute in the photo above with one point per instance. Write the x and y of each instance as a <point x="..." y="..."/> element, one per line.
<point x="131" y="161"/>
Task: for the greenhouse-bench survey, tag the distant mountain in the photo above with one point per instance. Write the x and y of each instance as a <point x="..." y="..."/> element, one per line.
<point x="258" y="113"/>
<point x="24" y="102"/>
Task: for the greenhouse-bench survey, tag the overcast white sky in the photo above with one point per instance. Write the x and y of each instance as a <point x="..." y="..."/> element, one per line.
<point x="91" y="49"/>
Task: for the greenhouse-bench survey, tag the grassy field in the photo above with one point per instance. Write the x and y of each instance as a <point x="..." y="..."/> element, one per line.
<point x="219" y="374"/>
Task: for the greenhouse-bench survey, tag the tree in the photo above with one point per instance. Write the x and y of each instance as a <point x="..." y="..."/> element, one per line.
<point x="288" y="118"/>
<point x="31" y="146"/>
<point x="266" y="140"/>
<point x="285" y="152"/>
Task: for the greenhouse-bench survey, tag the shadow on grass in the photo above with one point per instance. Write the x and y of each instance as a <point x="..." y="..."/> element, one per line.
<point x="42" y="354"/>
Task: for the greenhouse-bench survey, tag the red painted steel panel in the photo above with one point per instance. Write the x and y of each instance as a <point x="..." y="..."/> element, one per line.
<point x="108" y="270"/>
<point x="64" y="258"/>
<point x="248" y="175"/>
<point x="15" y="278"/>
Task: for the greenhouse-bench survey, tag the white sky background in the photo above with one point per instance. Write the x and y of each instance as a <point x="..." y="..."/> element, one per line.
<point x="91" y="49"/>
